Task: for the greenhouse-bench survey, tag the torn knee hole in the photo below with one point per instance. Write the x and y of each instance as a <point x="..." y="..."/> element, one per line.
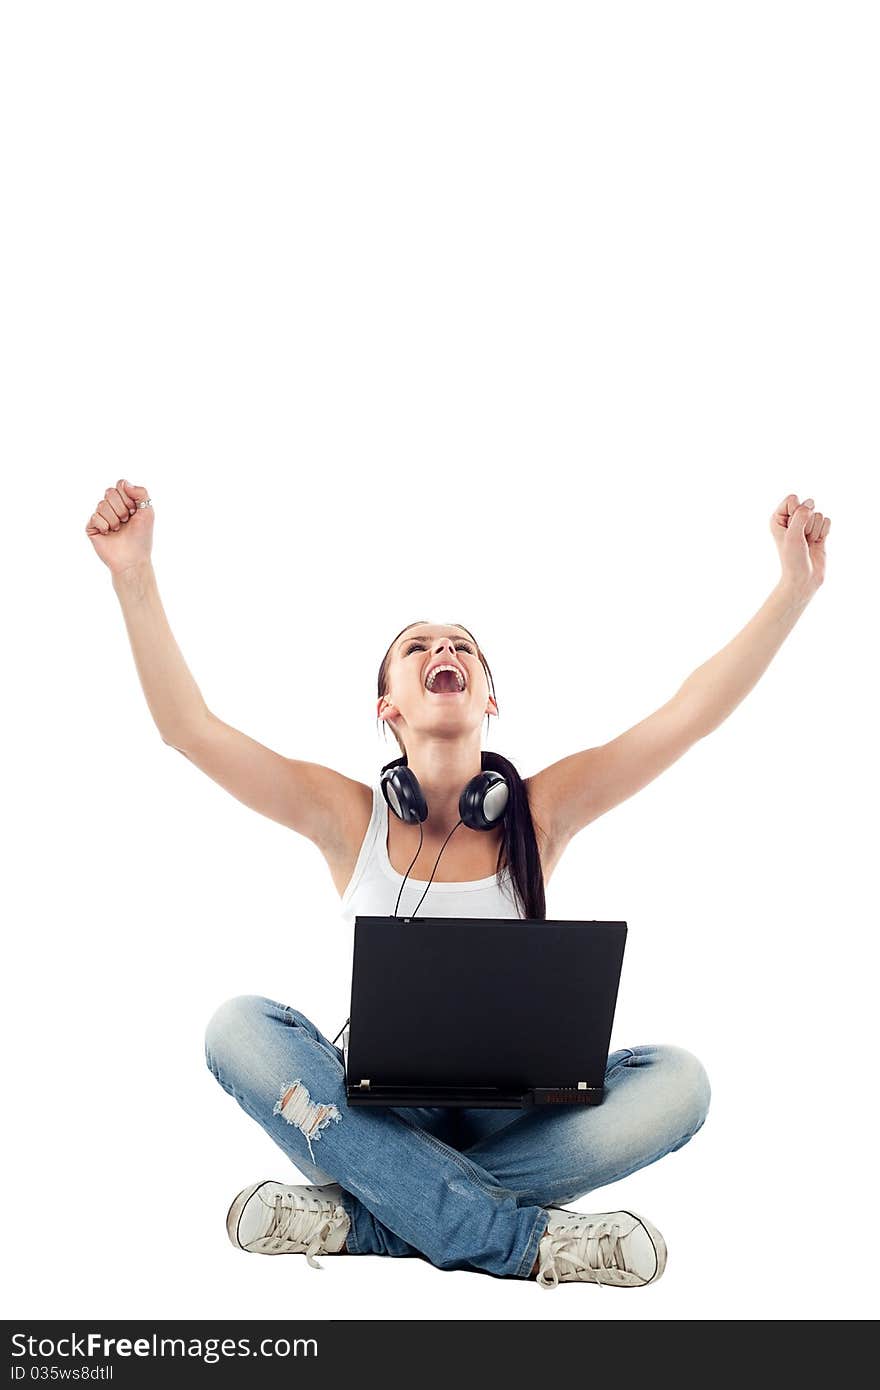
<point x="296" y="1106"/>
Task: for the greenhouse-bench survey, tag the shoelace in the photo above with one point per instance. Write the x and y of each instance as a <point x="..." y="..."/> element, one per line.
<point x="585" y="1250"/>
<point x="295" y="1221"/>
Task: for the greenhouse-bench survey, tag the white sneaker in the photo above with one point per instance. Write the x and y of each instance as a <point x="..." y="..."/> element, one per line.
<point x="611" y="1247"/>
<point x="271" y="1218"/>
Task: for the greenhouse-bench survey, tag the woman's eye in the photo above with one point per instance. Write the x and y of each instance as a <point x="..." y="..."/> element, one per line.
<point x="420" y="647"/>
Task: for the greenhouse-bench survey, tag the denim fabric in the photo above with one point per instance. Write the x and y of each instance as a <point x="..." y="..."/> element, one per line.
<point x="463" y="1188"/>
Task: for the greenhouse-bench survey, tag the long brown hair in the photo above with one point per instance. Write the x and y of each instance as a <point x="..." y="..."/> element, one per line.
<point x="518" y="850"/>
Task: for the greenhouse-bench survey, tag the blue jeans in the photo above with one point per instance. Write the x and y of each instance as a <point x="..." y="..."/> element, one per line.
<point x="463" y="1188"/>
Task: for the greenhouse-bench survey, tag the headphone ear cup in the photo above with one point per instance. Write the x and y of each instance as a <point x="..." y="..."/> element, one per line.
<point x="483" y="802"/>
<point x="401" y="790"/>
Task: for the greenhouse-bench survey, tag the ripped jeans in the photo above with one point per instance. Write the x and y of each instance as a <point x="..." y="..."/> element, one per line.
<point x="463" y="1188"/>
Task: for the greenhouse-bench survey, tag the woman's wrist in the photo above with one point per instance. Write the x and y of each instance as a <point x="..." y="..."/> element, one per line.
<point x="133" y="576"/>
<point x="795" y="597"/>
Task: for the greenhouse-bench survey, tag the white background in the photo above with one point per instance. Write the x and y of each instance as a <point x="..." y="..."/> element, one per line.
<point x="519" y="316"/>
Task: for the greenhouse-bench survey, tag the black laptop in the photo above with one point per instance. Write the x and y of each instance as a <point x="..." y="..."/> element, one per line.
<point x="482" y="1012"/>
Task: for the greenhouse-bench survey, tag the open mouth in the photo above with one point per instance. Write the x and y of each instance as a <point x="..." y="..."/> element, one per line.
<point x="444" y="680"/>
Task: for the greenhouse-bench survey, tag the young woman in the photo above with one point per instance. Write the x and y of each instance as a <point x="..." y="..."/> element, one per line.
<point x="462" y="1188"/>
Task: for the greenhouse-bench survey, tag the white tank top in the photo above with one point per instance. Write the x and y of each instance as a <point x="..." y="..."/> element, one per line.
<point x="374" y="885"/>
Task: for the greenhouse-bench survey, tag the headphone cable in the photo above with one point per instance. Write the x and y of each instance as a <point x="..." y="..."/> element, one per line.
<point x="403" y="885"/>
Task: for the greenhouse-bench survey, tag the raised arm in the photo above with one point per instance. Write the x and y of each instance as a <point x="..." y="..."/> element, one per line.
<point x="308" y="798"/>
<point x="574" y="791"/>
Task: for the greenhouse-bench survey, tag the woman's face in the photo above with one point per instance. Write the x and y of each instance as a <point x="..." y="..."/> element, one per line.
<point x="445" y="702"/>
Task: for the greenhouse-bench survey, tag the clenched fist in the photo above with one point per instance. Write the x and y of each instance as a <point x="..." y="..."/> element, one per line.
<point x="800" y="532"/>
<point x="121" y="531"/>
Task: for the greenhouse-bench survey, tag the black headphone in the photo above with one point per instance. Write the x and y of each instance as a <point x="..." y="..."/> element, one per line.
<point x="481" y="806"/>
